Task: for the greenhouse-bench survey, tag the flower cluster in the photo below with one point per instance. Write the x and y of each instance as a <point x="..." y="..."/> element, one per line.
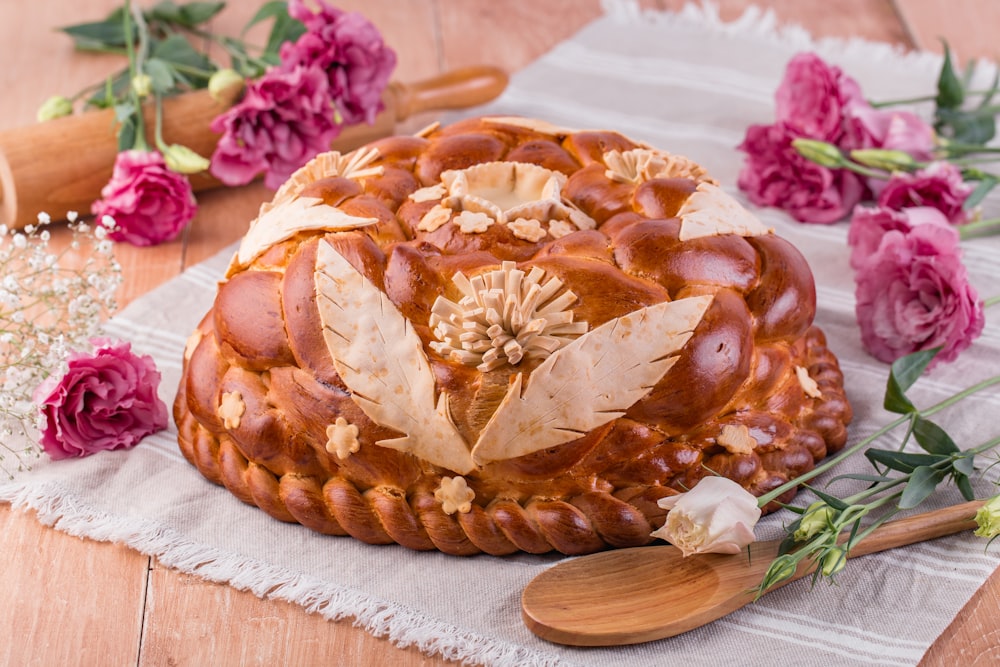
<point x="831" y="154"/>
<point x="818" y="101"/>
<point x="51" y="302"/>
<point x="332" y="75"/>
<point x="319" y="71"/>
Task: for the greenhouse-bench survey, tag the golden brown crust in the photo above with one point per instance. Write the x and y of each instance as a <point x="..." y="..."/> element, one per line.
<point x="733" y="403"/>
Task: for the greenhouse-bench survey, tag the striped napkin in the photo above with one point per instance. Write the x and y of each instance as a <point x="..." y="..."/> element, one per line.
<point x="683" y="82"/>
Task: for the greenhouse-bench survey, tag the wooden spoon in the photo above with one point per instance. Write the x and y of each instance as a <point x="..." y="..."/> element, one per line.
<point x="637" y="595"/>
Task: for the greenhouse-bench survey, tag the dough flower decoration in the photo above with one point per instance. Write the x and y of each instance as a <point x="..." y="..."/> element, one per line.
<point x="832" y="155"/>
<point x="505" y="316"/>
<point x="321" y="69"/>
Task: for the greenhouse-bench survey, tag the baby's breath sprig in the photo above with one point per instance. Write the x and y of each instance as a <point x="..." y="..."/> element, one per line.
<point x="52" y="300"/>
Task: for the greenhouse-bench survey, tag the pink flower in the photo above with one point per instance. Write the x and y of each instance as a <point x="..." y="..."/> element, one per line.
<point x="149" y="203"/>
<point x="106" y="400"/>
<point x="716" y="516"/>
<point x="891" y="129"/>
<point x="776" y="175"/>
<point x="938" y="185"/>
<point x="913" y="293"/>
<point x="870" y="223"/>
<point x="284" y="120"/>
<point x="349" y="48"/>
<point x="810" y="99"/>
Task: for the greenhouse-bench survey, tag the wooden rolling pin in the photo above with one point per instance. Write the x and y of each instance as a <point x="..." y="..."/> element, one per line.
<point x="61" y="165"/>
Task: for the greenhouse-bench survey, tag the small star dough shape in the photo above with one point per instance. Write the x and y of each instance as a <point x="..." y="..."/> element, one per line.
<point x="231" y="409"/>
<point x="454" y="495"/>
<point x="342" y="438"/>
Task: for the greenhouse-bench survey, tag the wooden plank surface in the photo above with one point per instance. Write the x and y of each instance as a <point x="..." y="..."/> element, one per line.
<point x="71" y="601"/>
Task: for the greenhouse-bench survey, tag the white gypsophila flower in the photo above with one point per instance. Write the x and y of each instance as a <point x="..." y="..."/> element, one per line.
<point x="54" y="293"/>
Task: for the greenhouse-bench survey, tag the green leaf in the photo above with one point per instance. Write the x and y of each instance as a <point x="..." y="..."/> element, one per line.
<point x="985" y="185"/>
<point x="833" y="501"/>
<point x="965" y="464"/>
<point x="97" y="36"/>
<point x="874" y="479"/>
<point x="921" y="484"/>
<point x="950" y="92"/>
<point x="272" y="9"/>
<point x="124" y="111"/>
<point x="905" y="371"/>
<point x="993" y="88"/>
<point x="127" y="133"/>
<point x="161" y="74"/>
<point x="902" y="461"/>
<point x="186" y="62"/>
<point x="196" y="13"/>
<point x="932" y="437"/>
<point x="965" y="486"/>
<point x="975" y="127"/>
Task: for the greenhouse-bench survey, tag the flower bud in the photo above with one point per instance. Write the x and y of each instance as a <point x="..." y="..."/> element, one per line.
<point x="887" y="160"/>
<point x="183" y="160"/>
<point x="224" y="84"/>
<point x="56" y="106"/>
<point x="988" y="518"/>
<point x="834" y="561"/>
<point x="815" y="519"/>
<point x="142" y="84"/>
<point x="820" y="152"/>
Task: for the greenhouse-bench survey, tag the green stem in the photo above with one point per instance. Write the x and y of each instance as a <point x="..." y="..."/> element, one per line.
<point x="140" y="122"/>
<point x="992" y="301"/>
<point x="850" y="451"/>
<point x="865" y="171"/>
<point x="923" y="98"/>
<point x="977" y="228"/>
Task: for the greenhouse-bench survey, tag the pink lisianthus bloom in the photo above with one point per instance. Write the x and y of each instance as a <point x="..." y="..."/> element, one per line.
<point x="284" y="120"/>
<point x="716" y="516"/>
<point x="913" y="294"/>
<point x="775" y="174"/>
<point x="889" y="129"/>
<point x="811" y="98"/>
<point x="106" y="400"/>
<point x="938" y="185"/>
<point x="149" y="202"/>
<point x="870" y="223"/>
<point x="350" y="49"/>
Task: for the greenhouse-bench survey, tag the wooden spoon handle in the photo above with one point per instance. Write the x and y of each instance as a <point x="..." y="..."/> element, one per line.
<point x="919" y="527"/>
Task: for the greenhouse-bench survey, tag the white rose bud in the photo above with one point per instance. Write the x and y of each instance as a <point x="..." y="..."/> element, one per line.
<point x="56" y="106"/>
<point x="716" y="516"/>
<point x="142" y="84"/>
<point x="224" y="84"/>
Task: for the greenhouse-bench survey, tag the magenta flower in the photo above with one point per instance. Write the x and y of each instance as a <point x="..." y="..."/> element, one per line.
<point x="870" y="223"/>
<point x="889" y="129"/>
<point x="350" y="49"/>
<point x="938" y="185"/>
<point x="812" y="96"/>
<point x="106" y="400"/>
<point x="913" y="293"/>
<point x="776" y="175"/>
<point x="149" y="203"/>
<point x="284" y="120"/>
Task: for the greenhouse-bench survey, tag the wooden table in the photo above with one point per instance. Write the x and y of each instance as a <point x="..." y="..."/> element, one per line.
<point x="68" y="601"/>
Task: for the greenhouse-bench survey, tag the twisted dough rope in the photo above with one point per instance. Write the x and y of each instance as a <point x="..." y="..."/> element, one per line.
<point x="384" y="514"/>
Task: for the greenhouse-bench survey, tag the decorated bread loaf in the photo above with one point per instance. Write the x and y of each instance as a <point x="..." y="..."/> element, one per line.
<point x="504" y="336"/>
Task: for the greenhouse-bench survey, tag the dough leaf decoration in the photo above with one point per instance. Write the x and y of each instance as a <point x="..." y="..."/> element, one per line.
<point x="590" y="381"/>
<point x="381" y="359"/>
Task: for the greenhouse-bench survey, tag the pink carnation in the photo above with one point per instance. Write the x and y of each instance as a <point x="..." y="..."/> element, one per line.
<point x="350" y="49"/>
<point x="106" y="400"/>
<point x="811" y="98"/>
<point x="870" y="223"/>
<point x="284" y="120"/>
<point x="888" y="129"/>
<point x="149" y="203"/>
<point x="938" y="185"/>
<point x="913" y="294"/>
<point x="775" y="174"/>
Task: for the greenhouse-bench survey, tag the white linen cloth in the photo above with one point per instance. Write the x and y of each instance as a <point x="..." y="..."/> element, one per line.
<point x="691" y="85"/>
